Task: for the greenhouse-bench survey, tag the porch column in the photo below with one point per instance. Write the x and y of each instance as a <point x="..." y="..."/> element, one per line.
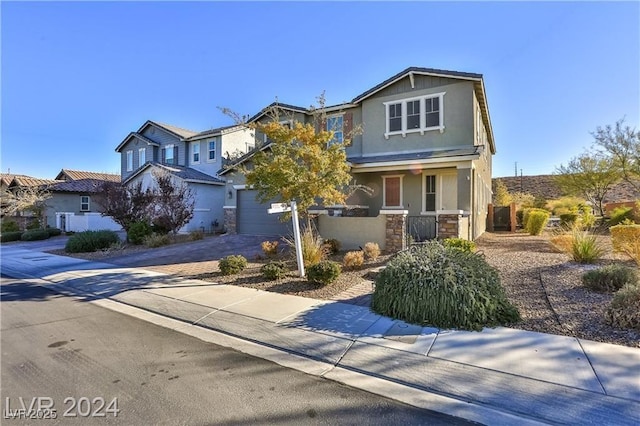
<point x="396" y="230"/>
<point x="230" y="217"/>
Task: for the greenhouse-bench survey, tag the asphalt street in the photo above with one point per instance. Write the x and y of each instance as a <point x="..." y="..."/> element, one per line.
<point x="85" y="364"/>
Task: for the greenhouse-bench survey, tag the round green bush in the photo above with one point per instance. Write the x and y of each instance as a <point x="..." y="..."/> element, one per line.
<point x="568" y="219"/>
<point x="537" y="221"/>
<point x="460" y="244"/>
<point x="274" y="270"/>
<point x="233" y="264"/>
<point x="609" y="278"/>
<point x="138" y="231"/>
<point x="34" y="224"/>
<point x="527" y="213"/>
<point x="442" y="287"/>
<point x="324" y="272"/>
<point x="35" y="235"/>
<point x="9" y="226"/>
<point x="90" y="241"/>
<point x="6" y="237"/>
<point x="624" y="310"/>
<point x="54" y="232"/>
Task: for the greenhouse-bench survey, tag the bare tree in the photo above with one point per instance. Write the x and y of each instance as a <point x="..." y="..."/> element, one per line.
<point x="125" y="204"/>
<point x="173" y="202"/>
<point x="27" y="198"/>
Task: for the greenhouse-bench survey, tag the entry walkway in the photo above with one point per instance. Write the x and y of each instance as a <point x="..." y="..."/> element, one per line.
<point x="497" y="376"/>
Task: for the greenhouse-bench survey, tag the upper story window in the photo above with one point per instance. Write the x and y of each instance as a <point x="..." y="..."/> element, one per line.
<point x="85" y="203"/>
<point x="129" y="160"/>
<point x="142" y="156"/>
<point x="195" y="155"/>
<point x="212" y="150"/>
<point x="335" y="124"/>
<point x="169" y="155"/>
<point x="419" y="114"/>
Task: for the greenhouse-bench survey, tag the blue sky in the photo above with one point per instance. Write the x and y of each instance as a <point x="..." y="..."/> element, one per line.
<point x="78" y="77"/>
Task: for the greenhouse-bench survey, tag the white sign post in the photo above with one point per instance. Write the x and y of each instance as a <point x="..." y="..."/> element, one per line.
<point x="281" y="208"/>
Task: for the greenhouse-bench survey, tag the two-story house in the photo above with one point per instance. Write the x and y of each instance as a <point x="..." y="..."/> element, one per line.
<point x="190" y="157"/>
<point x="425" y="150"/>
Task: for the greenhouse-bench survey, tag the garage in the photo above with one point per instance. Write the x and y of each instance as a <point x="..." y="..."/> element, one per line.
<point x="253" y="219"/>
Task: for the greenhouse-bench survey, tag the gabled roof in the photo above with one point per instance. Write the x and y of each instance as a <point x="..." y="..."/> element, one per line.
<point x="423" y="155"/>
<point x="179" y="132"/>
<point x="215" y="132"/>
<point x="477" y="80"/>
<point x="137" y="135"/>
<point x="80" y="185"/>
<point x="243" y="158"/>
<point x="185" y="173"/>
<point x="277" y="105"/>
<point x="66" y="174"/>
<point x="22" y="180"/>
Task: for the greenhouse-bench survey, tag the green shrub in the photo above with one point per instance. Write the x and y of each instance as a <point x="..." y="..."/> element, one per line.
<point x="34" y="224"/>
<point x="610" y="278"/>
<point x="90" y="241"/>
<point x="568" y="219"/>
<point x="324" y="272"/>
<point x="35" y="235"/>
<point x="138" y="231"/>
<point x="537" y="221"/>
<point x="527" y="213"/>
<point x="54" y="232"/>
<point x="6" y="237"/>
<point x="156" y="240"/>
<point x="442" y="287"/>
<point x="353" y="259"/>
<point x="585" y="247"/>
<point x="624" y="310"/>
<point x="196" y="235"/>
<point x="460" y="244"/>
<point x="621" y="214"/>
<point x="9" y="226"/>
<point x="274" y="270"/>
<point x="158" y="228"/>
<point x="332" y="246"/>
<point x="233" y="264"/>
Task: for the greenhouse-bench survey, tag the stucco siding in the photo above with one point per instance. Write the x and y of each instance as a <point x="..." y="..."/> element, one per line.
<point x="421" y="82"/>
<point x="67" y="203"/>
<point x="457" y="120"/>
<point x="354" y="232"/>
<point x="205" y="165"/>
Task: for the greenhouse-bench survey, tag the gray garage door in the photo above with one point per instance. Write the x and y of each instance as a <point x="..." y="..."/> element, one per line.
<point x="253" y="218"/>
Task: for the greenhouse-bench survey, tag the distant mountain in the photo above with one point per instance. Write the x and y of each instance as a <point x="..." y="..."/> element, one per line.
<point x="545" y="187"/>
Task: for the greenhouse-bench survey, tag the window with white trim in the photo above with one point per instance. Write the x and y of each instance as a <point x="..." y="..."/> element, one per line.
<point x="430" y="193"/>
<point x="418" y="114"/>
<point x="85" y="203"/>
<point x="195" y="154"/>
<point x="168" y="154"/>
<point x="142" y="156"/>
<point x="392" y="191"/>
<point x="211" y="150"/>
<point x="129" y="155"/>
<point x="335" y="124"/>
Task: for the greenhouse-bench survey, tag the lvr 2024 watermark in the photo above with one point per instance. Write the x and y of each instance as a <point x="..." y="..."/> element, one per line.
<point x="44" y="407"/>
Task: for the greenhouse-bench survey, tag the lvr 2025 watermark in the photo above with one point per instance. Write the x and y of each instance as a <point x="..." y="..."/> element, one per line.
<point x="44" y="407"/>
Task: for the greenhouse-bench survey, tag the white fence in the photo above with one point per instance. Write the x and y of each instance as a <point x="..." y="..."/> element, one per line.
<point x="85" y="222"/>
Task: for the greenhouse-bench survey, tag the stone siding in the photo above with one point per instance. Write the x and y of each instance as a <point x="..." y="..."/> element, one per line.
<point x="396" y="233"/>
<point x="230" y="221"/>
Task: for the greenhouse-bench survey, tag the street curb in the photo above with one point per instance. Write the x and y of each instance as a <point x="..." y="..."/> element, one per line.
<point x="467" y="410"/>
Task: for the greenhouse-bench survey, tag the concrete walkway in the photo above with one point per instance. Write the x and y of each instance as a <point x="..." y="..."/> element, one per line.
<point x="497" y="376"/>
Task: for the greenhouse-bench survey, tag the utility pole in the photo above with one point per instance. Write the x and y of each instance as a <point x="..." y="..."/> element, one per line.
<point x="516" y="175"/>
<point x="521" y="184"/>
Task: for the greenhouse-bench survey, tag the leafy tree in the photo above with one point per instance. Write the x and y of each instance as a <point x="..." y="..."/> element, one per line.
<point x="27" y="198"/>
<point x="173" y="202"/>
<point x="502" y="197"/>
<point x="590" y="175"/>
<point x="125" y="204"/>
<point x="622" y="143"/>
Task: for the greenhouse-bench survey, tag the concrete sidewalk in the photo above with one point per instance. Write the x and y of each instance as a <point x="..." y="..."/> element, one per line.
<point x="497" y="376"/>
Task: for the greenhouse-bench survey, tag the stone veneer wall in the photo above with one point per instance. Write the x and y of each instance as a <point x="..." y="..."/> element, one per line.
<point x="396" y="233"/>
<point x="230" y="220"/>
<point x="449" y="226"/>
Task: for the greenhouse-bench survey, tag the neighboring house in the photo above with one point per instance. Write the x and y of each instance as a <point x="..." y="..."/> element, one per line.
<point x="13" y="183"/>
<point x="426" y="151"/>
<point x="70" y="200"/>
<point x="191" y="157"/>
<point x="72" y="205"/>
